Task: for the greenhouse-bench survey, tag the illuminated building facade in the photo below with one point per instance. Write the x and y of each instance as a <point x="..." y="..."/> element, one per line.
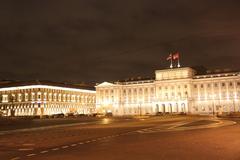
<point x="176" y="90"/>
<point x="45" y="98"/>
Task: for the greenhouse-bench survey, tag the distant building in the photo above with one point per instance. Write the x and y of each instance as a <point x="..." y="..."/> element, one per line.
<point x="173" y="90"/>
<point x="45" y="98"/>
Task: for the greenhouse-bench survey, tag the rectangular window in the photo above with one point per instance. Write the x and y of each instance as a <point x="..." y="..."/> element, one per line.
<point x="4" y="98"/>
<point x="33" y="96"/>
<point x="26" y="97"/>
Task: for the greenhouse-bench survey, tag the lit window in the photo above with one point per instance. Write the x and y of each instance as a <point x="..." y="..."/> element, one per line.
<point x="26" y="97"/>
<point x="33" y="96"/>
<point x="4" y="98"/>
<point x="179" y="94"/>
<point x="19" y="97"/>
<point x="166" y="94"/>
<point x="223" y="94"/>
<point x="152" y="90"/>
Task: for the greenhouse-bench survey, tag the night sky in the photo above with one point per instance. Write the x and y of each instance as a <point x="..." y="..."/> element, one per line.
<point x="99" y="40"/>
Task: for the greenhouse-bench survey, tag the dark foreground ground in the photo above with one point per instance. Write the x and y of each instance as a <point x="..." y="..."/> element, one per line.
<point x="116" y="139"/>
<point x="22" y="123"/>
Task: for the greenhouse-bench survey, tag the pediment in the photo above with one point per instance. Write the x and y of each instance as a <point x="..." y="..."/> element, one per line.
<point x="105" y="84"/>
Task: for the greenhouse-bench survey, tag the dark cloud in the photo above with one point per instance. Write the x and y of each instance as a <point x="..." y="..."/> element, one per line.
<point x="109" y="40"/>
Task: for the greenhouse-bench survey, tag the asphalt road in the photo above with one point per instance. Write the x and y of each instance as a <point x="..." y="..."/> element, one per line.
<point x="108" y="139"/>
<point x="16" y="123"/>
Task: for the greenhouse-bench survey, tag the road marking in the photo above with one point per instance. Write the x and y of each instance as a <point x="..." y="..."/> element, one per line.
<point x="94" y="140"/>
<point x="44" y="152"/>
<point x="55" y="149"/>
<point x="30" y="155"/>
<point x="80" y="143"/>
<point x="15" y="158"/>
<point x="65" y="146"/>
<point x="25" y="149"/>
<point x="73" y="145"/>
<point x="87" y="141"/>
<point x="28" y="144"/>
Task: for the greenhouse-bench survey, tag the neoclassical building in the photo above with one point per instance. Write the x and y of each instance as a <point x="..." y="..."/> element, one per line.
<point x="45" y="98"/>
<point x="176" y="90"/>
